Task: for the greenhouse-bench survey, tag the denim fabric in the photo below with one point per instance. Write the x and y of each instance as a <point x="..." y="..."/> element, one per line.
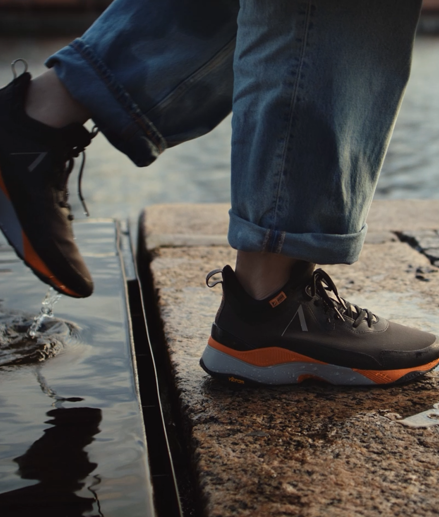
<point x="315" y="85"/>
<point x="154" y="73"/>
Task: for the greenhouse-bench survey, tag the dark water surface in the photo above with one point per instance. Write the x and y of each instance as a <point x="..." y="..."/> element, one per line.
<point x="71" y="435"/>
<point x="199" y="171"/>
<point x="411" y="168"/>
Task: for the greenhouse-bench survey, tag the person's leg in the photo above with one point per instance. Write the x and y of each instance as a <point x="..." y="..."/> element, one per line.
<point x="151" y="74"/>
<point x="162" y="66"/>
<point x="317" y="89"/>
<point x="155" y="73"/>
<point x="261" y="273"/>
<point x="49" y="102"/>
<point x="318" y="85"/>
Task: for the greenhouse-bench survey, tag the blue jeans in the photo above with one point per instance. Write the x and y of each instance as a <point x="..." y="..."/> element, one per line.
<point x="315" y="87"/>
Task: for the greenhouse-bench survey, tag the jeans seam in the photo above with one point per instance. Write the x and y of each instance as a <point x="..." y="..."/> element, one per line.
<point x="201" y="72"/>
<point x="266" y="239"/>
<point x="280" y="242"/>
<point x="293" y="102"/>
<point x="273" y="241"/>
<point x="121" y="96"/>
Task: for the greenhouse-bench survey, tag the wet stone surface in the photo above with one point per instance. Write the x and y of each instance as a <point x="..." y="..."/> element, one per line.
<point x="312" y="449"/>
<point x="426" y="241"/>
<point x="315" y="450"/>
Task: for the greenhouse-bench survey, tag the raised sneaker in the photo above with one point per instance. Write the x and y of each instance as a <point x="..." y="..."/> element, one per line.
<point x="307" y="331"/>
<point x="35" y="163"/>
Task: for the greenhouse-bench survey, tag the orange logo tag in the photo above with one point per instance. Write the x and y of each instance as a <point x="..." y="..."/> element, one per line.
<point x="278" y="300"/>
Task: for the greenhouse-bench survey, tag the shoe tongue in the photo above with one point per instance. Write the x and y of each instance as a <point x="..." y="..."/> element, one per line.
<point x="301" y="274"/>
<point x="75" y="135"/>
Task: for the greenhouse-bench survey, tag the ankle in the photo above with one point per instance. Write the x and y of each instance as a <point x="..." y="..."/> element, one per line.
<point x="49" y="102"/>
<point x="262" y="274"/>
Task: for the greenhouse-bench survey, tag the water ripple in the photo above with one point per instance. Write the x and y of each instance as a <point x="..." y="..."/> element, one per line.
<point x="17" y="347"/>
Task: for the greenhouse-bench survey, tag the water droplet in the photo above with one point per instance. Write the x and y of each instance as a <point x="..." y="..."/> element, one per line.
<point x="46" y="311"/>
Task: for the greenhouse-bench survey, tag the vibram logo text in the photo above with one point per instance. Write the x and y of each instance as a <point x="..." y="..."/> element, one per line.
<point x="234" y="379"/>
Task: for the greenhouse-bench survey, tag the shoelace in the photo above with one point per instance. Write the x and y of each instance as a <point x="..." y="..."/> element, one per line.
<point x="69" y="163"/>
<point x="322" y="284"/>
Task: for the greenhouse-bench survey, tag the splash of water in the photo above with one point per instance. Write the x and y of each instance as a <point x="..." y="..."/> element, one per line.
<point x="46" y="311"/>
<point x="17" y="348"/>
<point x="27" y="339"/>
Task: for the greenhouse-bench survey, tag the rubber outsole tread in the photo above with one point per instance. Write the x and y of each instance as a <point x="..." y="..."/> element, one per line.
<point x="241" y="381"/>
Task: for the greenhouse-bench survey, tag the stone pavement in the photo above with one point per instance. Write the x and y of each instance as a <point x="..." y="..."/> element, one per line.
<point x="313" y="449"/>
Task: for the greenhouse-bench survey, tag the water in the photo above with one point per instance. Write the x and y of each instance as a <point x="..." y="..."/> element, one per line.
<point x="46" y="312"/>
<point x="28" y="340"/>
<point x="199" y="171"/>
<point x="76" y="406"/>
<point x="411" y="168"/>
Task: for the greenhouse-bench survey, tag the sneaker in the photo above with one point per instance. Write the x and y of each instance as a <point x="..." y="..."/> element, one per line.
<point x="35" y="163"/>
<point x="306" y="331"/>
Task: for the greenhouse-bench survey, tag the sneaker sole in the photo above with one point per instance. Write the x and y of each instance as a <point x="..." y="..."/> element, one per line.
<point x="11" y="228"/>
<point x="278" y="366"/>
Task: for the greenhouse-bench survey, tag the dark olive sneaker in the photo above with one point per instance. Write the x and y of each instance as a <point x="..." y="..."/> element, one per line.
<point x="35" y="162"/>
<point x="306" y="331"/>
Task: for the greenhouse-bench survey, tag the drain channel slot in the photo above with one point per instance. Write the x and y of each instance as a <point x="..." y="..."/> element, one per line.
<point x="166" y="497"/>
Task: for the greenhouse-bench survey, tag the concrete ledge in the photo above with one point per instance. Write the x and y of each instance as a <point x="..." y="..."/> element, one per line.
<point x="182" y="225"/>
<point x="185" y="219"/>
<point x="314" y="449"/>
<point x="404" y="214"/>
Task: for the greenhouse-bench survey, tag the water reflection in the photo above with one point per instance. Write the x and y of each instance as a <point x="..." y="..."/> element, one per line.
<point x="60" y="464"/>
<point x="57" y="475"/>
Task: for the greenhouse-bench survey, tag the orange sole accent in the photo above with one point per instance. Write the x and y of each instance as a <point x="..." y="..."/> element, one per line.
<point x="274" y="355"/>
<point x="264" y="356"/>
<point x="31" y="257"/>
<point x="3" y="186"/>
<point x="389" y="376"/>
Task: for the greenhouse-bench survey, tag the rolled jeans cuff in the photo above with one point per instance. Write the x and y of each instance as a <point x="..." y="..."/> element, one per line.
<point x="122" y="122"/>
<point x="319" y="248"/>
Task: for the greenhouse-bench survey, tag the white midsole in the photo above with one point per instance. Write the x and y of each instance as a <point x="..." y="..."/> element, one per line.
<point x="286" y="373"/>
